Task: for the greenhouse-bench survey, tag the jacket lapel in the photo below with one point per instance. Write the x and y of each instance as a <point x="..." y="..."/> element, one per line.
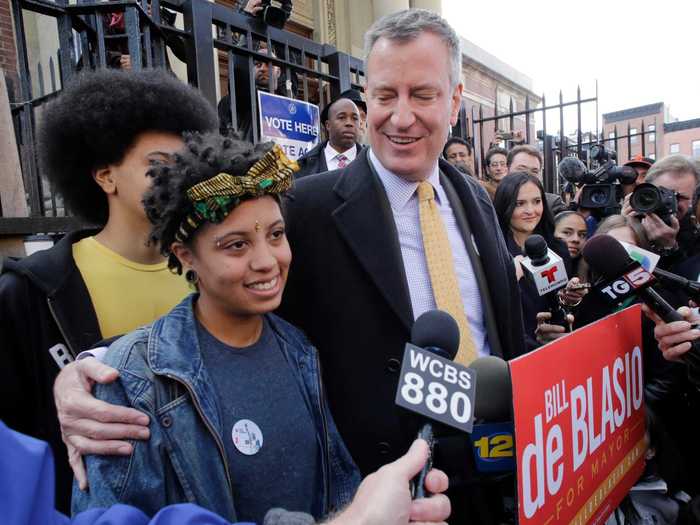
<point x="366" y="223"/>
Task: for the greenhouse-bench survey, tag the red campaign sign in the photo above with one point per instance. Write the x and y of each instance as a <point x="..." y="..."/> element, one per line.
<point x="579" y="422"/>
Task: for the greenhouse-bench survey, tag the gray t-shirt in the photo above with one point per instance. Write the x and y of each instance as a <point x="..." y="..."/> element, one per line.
<point x="269" y="435"/>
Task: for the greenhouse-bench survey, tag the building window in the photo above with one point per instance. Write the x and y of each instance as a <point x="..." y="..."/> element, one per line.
<point x="651" y="137"/>
<point x="611" y="135"/>
<point x="675" y="148"/>
<point x="696" y="149"/>
<point x="652" y="156"/>
<point x="634" y="140"/>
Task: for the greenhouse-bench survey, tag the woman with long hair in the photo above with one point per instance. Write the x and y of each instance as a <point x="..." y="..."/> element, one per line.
<point x="239" y="421"/>
<point x="522" y="211"/>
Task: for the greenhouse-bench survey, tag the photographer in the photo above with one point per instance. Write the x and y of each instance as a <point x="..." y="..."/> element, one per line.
<point x="668" y="227"/>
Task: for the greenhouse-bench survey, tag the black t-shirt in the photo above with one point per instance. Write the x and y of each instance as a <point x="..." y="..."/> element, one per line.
<point x="269" y="435"/>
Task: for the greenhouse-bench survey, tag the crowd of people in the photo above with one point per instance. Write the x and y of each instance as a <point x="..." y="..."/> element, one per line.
<point x="231" y="333"/>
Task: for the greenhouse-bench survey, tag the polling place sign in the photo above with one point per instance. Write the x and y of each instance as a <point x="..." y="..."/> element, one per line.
<point x="579" y="422"/>
<point x="293" y="124"/>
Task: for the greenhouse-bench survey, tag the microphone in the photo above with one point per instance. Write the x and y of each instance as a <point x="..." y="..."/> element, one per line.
<point x="624" y="278"/>
<point x="691" y="288"/>
<point x="437" y="332"/>
<point x="492" y="439"/>
<point x="547" y="271"/>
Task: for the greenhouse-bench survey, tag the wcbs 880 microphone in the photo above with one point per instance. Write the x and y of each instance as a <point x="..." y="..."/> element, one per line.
<point x="431" y="385"/>
<point x="548" y="273"/>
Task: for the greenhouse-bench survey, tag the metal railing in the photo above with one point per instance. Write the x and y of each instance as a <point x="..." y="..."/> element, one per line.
<point x="554" y="146"/>
<point x="207" y="37"/>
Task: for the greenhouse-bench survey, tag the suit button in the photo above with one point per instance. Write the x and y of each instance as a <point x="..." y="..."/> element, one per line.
<point x="393" y="365"/>
<point x="384" y="448"/>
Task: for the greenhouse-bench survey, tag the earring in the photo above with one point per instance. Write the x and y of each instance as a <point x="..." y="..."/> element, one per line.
<point x="191" y="276"/>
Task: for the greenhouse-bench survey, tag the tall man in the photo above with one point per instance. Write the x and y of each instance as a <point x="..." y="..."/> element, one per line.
<point x="97" y="140"/>
<point x="341" y="120"/>
<point x="363" y="267"/>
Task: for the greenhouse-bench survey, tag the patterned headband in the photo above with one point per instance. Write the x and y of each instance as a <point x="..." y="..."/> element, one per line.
<point x="213" y="199"/>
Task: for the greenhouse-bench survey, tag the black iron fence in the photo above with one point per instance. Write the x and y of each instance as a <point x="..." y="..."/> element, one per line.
<point x="534" y="123"/>
<point x="218" y="47"/>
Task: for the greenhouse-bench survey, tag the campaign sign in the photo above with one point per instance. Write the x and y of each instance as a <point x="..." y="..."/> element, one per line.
<point x="494" y="450"/>
<point x="579" y="422"/>
<point x="437" y="388"/>
<point x="293" y="124"/>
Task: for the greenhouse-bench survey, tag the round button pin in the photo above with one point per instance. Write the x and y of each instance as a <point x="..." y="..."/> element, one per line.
<point x="247" y="437"/>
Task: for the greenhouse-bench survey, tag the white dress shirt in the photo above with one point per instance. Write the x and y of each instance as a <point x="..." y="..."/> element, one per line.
<point x="403" y="199"/>
<point x="332" y="156"/>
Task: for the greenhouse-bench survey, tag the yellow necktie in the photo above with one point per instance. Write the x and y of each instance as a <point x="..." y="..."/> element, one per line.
<point x="442" y="272"/>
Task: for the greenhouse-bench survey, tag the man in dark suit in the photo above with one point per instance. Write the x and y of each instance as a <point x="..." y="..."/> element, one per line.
<point x="341" y="120"/>
<point x="359" y="278"/>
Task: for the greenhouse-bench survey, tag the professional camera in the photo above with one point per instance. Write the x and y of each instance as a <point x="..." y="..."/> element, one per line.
<point x="273" y="15"/>
<point x="601" y="187"/>
<point x="647" y="198"/>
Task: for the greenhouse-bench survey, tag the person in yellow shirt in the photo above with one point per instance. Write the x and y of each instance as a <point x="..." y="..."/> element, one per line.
<point x="95" y="144"/>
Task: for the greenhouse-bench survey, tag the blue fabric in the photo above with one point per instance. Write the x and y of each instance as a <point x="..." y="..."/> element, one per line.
<point x="184" y="459"/>
<point x="256" y="383"/>
<point x="27" y="492"/>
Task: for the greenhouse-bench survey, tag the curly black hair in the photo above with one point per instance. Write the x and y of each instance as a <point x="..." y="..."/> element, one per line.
<point x="204" y="156"/>
<point x="95" y="120"/>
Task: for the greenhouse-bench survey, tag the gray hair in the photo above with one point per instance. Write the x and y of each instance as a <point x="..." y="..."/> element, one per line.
<point x="408" y="25"/>
<point x="676" y="165"/>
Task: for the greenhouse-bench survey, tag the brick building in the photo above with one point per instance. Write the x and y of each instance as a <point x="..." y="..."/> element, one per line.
<point x="663" y="135"/>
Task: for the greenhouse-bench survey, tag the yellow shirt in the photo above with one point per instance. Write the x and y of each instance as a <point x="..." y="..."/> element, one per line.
<point x="126" y="294"/>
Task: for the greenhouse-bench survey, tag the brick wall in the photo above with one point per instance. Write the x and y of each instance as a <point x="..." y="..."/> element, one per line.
<point x="8" y="54"/>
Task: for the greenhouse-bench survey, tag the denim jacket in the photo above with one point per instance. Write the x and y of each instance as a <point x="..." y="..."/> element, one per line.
<point x="161" y="373"/>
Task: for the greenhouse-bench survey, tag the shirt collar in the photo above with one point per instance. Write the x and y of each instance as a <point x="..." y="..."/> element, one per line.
<point x="398" y="190"/>
<point x="330" y="152"/>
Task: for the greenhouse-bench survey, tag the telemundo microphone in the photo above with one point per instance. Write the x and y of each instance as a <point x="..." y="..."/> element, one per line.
<point x="547" y="271"/>
<point x="623" y="278"/>
<point x="432" y="385"/>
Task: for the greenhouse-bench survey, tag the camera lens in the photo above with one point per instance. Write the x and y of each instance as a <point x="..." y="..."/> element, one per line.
<point x="599" y="197"/>
<point x="645" y="198"/>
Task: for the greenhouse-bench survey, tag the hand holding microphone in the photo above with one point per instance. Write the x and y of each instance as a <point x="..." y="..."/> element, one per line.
<point x="548" y="273"/>
<point x="623" y="278"/>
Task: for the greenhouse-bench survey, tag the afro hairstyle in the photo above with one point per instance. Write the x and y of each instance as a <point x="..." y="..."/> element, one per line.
<point x="96" y="119"/>
<point x="204" y="156"/>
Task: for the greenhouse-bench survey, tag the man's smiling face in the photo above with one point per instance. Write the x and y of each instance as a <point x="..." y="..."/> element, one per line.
<point x="410" y="103"/>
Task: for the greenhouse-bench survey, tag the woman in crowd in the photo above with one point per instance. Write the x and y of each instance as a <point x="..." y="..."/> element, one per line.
<point x="570" y="228"/>
<point x="239" y="418"/>
<point x="522" y="210"/>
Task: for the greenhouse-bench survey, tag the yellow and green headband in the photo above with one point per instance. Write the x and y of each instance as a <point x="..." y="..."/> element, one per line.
<point x="213" y="199"/>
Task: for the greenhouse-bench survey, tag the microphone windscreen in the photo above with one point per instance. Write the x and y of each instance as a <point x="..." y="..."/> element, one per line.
<point x="494" y="393"/>
<point x="535" y="247"/>
<point x="606" y="255"/>
<point x="436" y="328"/>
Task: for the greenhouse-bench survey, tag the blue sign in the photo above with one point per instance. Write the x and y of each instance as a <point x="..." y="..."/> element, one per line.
<point x="293" y="124"/>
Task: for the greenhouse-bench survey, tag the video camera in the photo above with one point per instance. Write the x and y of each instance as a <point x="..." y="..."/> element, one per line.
<point x="273" y="15"/>
<point x="647" y="198"/>
<point x="601" y="187"/>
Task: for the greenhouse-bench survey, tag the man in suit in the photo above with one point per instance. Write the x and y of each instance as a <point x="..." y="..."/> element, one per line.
<point x="361" y="274"/>
<point x="341" y="120"/>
